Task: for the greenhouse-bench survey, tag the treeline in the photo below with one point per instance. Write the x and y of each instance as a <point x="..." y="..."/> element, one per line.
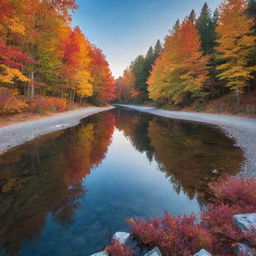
<point x="202" y="58"/>
<point x="42" y="55"/>
<point x="132" y="86"/>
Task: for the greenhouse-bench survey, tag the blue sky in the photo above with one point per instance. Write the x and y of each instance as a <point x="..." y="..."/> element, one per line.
<point x="123" y="29"/>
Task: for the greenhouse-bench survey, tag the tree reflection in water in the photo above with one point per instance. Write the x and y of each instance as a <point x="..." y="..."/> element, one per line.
<point x="187" y="152"/>
<point x="45" y="177"/>
<point x="50" y="177"/>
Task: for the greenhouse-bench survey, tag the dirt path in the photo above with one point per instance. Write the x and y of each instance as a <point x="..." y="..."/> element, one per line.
<point x="242" y="129"/>
<point x="22" y="132"/>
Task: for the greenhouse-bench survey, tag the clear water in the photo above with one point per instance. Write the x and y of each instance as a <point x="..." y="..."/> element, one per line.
<point x="68" y="192"/>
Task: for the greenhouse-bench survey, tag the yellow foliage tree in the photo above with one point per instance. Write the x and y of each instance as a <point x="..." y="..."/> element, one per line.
<point x="84" y="86"/>
<point x="235" y="43"/>
<point x="8" y="75"/>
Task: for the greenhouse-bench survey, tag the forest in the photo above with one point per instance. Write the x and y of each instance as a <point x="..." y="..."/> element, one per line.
<point x="45" y="63"/>
<point x="48" y="65"/>
<point x="202" y="59"/>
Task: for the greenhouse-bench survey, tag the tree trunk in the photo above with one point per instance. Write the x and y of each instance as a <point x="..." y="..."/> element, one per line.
<point x="237" y="97"/>
<point x="32" y="86"/>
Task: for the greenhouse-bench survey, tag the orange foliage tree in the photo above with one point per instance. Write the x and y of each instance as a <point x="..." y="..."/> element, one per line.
<point x="42" y="55"/>
<point x="103" y="81"/>
<point x="181" y="69"/>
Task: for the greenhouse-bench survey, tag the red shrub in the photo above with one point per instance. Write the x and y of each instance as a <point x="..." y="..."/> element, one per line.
<point x="181" y="236"/>
<point x="60" y="104"/>
<point x="117" y="249"/>
<point x="10" y="103"/>
<point x="218" y="220"/>
<point x="48" y="104"/>
<point x="239" y="192"/>
<point x="216" y="232"/>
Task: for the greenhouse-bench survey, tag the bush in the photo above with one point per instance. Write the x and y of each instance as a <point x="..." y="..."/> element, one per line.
<point x="181" y="236"/>
<point x="48" y="104"/>
<point x="10" y="103"/>
<point x="117" y="249"/>
<point x="60" y="104"/>
<point x="237" y="192"/>
<point x="218" y="220"/>
<point x="216" y="231"/>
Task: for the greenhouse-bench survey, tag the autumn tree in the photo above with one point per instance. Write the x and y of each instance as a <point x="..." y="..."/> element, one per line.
<point x="76" y="60"/>
<point x="12" y="58"/>
<point x="180" y="71"/>
<point x="126" y="86"/>
<point x="235" y="44"/>
<point x="103" y="80"/>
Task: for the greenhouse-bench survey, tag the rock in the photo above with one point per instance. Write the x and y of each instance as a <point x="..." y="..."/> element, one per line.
<point x="154" y="252"/>
<point x="122" y="237"/>
<point x="245" y="221"/>
<point x="202" y="252"/>
<point x="215" y="171"/>
<point x="103" y="253"/>
<point x="243" y="249"/>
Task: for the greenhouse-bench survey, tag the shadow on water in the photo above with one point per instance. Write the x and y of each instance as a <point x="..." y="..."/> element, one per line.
<point x="68" y="192"/>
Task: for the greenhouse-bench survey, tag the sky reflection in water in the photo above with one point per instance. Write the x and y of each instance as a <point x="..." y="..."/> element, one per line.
<point x="68" y="192"/>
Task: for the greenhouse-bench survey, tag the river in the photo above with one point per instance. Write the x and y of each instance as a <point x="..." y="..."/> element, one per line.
<point x="66" y="193"/>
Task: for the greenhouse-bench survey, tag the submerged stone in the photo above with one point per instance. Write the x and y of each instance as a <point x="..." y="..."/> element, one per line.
<point x="245" y="221"/>
<point x="202" y="252"/>
<point x="122" y="237"/>
<point x="154" y="252"/>
<point x="103" y="253"/>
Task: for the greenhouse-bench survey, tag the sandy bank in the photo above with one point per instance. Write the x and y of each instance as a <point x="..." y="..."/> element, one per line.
<point x="22" y="132"/>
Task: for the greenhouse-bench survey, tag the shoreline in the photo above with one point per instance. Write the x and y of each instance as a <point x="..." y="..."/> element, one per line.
<point x="16" y="134"/>
<point x="242" y="129"/>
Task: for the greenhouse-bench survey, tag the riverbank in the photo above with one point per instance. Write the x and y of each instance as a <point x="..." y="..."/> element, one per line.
<point x="19" y="133"/>
<point x="242" y="129"/>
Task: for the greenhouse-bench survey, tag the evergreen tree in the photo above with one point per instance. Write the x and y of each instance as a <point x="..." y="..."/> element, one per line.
<point x="251" y="11"/>
<point x="192" y="17"/>
<point x="206" y="26"/>
<point x="157" y="48"/>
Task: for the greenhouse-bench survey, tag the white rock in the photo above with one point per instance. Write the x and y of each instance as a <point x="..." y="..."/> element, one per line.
<point x="245" y="221"/>
<point x="154" y="252"/>
<point x="202" y="252"/>
<point x="103" y="253"/>
<point x="215" y="171"/>
<point x="122" y="237"/>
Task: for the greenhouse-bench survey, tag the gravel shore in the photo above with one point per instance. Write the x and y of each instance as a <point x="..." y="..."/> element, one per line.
<point x="242" y="129"/>
<point x="22" y="132"/>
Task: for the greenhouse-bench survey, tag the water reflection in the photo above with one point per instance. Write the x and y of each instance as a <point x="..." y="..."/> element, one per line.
<point x="187" y="152"/>
<point x="66" y="193"/>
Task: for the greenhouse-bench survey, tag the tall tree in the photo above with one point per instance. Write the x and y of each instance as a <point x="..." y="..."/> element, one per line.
<point x="206" y="26"/>
<point x="103" y="82"/>
<point x="192" y="17"/>
<point x="157" y="48"/>
<point x="235" y="43"/>
<point x="180" y="72"/>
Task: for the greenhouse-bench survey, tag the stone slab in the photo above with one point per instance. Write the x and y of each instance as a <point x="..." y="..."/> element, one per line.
<point x="122" y="237"/>
<point x="245" y="221"/>
<point x="202" y="252"/>
<point x="154" y="252"/>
